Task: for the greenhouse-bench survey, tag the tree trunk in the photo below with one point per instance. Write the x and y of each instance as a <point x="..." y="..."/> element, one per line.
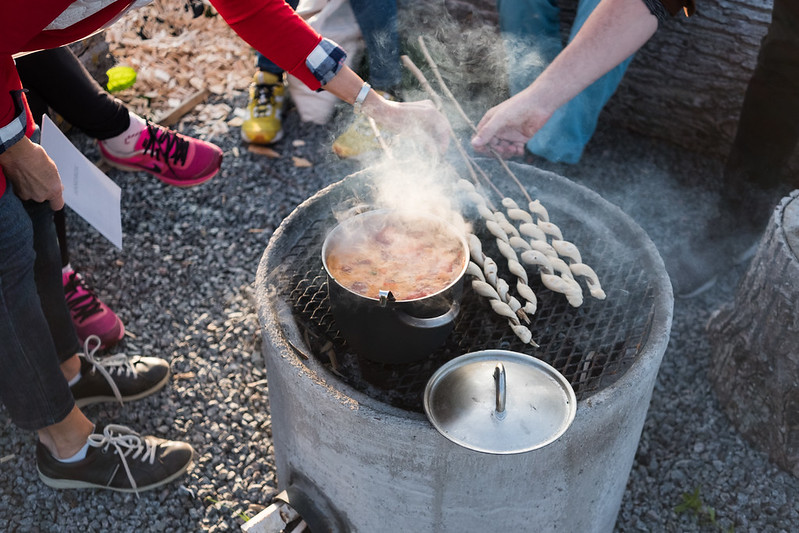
<point x="755" y="343"/>
<point x="93" y="53"/>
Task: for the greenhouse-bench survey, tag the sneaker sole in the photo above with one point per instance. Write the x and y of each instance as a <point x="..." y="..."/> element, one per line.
<point x="57" y="483"/>
<point x="175" y="183"/>
<point x="89" y="400"/>
<point x="277" y="138"/>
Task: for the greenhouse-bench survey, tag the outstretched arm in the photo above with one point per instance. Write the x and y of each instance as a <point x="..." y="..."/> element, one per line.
<point x="411" y="117"/>
<point x="613" y="32"/>
<point x="275" y="30"/>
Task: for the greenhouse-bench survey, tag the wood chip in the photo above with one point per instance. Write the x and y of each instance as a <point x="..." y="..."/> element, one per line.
<point x="176" y="55"/>
<point x="263" y="150"/>
<point x="172" y="117"/>
<point x="301" y="162"/>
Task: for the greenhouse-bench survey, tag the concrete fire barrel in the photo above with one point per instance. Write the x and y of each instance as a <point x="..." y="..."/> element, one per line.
<point x="352" y="461"/>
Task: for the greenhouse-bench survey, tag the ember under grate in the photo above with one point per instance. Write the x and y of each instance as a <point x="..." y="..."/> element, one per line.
<point x="591" y="345"/>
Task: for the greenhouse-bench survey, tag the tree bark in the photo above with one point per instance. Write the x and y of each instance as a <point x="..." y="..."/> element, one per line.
<point x="94" y="54"/>
<point x="755" y="343"/>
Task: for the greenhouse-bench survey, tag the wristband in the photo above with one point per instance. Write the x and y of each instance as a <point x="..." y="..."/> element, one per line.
<point x="362" y="94"/>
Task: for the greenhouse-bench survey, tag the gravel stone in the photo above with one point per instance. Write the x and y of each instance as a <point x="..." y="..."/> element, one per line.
<point x="183" y="285"/>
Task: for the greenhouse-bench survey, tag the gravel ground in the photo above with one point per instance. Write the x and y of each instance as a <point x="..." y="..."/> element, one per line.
<point x="183" y="285"/>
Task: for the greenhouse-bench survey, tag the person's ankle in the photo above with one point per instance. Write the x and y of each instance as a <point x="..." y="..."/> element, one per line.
<point x="71" y="367"/>
<point x="125" y="142"/>
<point x="66" y="438"/>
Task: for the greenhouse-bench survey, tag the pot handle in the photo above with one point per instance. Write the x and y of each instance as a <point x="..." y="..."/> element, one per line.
<point x="432" y="322"/>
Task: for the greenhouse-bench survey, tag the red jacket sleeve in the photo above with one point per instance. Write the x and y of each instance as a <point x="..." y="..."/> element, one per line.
<point x="21" y="30"/>
<point x="9" y="82"/>
<point x="274" y="29"/>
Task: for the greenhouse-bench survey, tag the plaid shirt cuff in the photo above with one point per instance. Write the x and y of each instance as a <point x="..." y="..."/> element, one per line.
<point x="326" y="60"/>
<point x="14" y="130"/>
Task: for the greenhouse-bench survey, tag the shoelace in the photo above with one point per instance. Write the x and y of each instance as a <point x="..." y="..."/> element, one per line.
<point x="264" y="99"/>
<point x="112" y="364"/>
<point x="160" y="143"/>
<point x="127" y="443"/>
<point x="83" y="305"/>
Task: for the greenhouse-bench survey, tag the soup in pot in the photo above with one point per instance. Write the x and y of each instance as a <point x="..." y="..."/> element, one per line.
<point x="411" y="257"/>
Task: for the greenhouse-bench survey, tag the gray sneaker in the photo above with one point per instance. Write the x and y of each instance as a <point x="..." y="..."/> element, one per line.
<point x="117" y="376"/>
<point x="118" y="459"/>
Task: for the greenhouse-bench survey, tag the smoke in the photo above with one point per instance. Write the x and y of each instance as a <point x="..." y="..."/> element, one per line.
<point x="416" y="187"/>
<point x="469" y="57"/>
<point x="410" y="176"/>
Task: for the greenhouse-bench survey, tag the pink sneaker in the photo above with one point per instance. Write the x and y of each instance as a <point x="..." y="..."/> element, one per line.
<point x="171" y="157"/>
<point x="89" y="314"/>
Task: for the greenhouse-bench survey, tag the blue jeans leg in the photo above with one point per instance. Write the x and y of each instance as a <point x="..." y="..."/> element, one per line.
<point x="531" y="36"/>
<point x="32" y="387"/>
<point x="377" y="20"/>
<point x="564" y="136"/>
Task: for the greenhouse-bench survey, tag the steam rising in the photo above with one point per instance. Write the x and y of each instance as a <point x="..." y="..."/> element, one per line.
<point x="410" y="176"/>
<point x="470" y="57"/>
<point x="418" y="187"/>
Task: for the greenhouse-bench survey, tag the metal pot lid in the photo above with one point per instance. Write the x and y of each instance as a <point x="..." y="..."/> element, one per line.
<point x="500" y="402"/>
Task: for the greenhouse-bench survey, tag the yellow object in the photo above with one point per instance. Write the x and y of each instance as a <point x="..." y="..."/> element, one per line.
<point x="119" y="78"/>
<point x="358" y="138"/>
<point x="263" y="124"/>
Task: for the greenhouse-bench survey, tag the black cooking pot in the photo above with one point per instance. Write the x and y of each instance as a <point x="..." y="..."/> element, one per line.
<point x="386" y="329"/>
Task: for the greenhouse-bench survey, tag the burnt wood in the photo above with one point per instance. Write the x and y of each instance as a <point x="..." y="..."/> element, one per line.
<point x="755" y="343"/>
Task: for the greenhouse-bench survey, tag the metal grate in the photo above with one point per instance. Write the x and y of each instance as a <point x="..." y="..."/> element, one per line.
<point x="591" y="345"/>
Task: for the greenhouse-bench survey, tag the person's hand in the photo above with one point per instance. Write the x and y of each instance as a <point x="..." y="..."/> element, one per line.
<point x="507" y="127"/>
<point x="419" y="120"/>
<point x="410" y="118"/>
<point x="33" y="173"/>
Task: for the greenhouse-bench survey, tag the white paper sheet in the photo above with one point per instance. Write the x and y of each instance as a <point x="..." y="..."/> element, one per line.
<point x="87" y="190"/>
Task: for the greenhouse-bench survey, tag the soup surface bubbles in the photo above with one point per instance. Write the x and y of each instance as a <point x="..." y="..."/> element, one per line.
<point x="411" y="257"/>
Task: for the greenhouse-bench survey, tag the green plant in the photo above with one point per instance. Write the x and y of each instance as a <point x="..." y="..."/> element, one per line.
<point x="241" y="514"/>
<point x="692" y="502"/>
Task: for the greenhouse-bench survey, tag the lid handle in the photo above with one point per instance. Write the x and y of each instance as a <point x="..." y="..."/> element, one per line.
<point x="499" y="381"/>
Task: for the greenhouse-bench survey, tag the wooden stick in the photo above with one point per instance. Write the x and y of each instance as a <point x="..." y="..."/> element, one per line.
<point x="465" y="117"/>
<point x="172" y="116"/>
<point x="420" y="77"/>
<point x="380" y="140"/>
<point x="443" y="85"/>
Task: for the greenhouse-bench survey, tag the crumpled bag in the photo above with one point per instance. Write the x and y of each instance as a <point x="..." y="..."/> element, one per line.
<point x="334" y="20"/>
